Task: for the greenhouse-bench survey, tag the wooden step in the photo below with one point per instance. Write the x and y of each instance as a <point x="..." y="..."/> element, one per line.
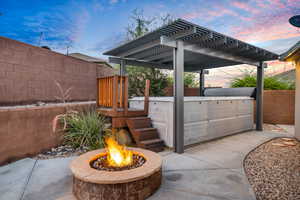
<point x="156" y="145"/>
<point x="139" y="122"/>
<point x="146" y="133"/>
<point x="152" y="142"/>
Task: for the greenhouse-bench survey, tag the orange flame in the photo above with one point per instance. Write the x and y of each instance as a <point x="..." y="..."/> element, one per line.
<point x="117" y="155"/>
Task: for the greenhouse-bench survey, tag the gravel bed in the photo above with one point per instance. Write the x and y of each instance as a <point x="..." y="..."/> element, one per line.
<point x="61" y="151"/>
<point x="273" y="170"/>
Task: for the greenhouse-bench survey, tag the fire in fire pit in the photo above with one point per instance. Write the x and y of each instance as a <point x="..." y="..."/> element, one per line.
<point x="117" y="158"/>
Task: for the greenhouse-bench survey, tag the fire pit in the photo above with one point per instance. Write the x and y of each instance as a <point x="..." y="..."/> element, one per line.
<point x="116" y="173"/>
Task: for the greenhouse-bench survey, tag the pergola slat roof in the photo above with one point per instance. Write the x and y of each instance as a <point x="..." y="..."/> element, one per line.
<point x="204" y="49"/>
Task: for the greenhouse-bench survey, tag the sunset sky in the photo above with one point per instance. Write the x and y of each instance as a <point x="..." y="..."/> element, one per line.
<point x="93" y="26"/>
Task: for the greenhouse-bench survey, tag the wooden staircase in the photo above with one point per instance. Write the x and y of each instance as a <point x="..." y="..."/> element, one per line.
<point x="144" y="134"/>
<point x="112" y="101"/>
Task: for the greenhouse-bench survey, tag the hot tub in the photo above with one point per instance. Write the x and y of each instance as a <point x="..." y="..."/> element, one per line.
<point x="205" y="118"/>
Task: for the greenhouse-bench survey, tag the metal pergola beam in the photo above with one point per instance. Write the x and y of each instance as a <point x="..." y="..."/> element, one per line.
<point x="203" y="38"/>
<point x="141" y="63"/>
<point x="208" y="52"/>
<point x="185" y="33"/>
<point x="140" y="48"/>
<point x="160" y="56"/>
<point x="130" y="62"/>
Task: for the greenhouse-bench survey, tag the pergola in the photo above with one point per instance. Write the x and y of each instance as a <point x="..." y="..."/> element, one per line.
<point x="184" y="46"/>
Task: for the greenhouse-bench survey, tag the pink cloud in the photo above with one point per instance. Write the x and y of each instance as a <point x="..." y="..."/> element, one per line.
<point x="254" y="20"/>
<point x="80" y="25"/>
<point x="221" y="12"/>
<point x="192" y="15"/>
<point x="293" y="2"/>
<point x="262" y="4"/>
<point x="248" y="19"/>
<point x="210" y="14"/>
<point x="277" y="3"/>
<point x="245" y="7"/>
<point x="269" y="28"/>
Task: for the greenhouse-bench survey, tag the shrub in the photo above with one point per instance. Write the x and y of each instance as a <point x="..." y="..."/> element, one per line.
<point x="83" y="129"/>
<point x="270" y="83"/>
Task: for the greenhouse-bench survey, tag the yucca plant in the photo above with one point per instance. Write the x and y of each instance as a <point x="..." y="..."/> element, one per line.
<point x="83" y="129"/>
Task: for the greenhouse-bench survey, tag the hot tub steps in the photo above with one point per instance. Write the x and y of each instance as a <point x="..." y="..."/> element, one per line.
<point x="144" y="134"/>
<point x="156" y="145"/>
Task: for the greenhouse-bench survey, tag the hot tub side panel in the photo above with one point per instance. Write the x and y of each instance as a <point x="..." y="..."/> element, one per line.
<point x="203" y="120"/>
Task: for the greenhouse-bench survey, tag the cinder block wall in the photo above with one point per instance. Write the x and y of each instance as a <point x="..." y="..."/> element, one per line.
<point x="279" y="106"/>
<point x="187" y="91"/>
<point x="27" y="131"/>
<point x="28" y="74"/>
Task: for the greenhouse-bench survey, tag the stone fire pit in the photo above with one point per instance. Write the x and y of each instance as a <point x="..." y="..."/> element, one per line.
<point x="138" y="183"/>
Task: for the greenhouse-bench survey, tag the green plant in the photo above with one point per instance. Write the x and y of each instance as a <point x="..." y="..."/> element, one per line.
<point x="270" y="83"/>
<point x="82" y="129"/>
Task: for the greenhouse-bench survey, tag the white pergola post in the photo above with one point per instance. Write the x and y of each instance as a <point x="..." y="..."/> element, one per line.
<point x="178" y="62"/>
<point x="297" y="101"/>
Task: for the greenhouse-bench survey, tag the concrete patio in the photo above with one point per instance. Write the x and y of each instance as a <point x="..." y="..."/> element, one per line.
<point x="210" y="171"/>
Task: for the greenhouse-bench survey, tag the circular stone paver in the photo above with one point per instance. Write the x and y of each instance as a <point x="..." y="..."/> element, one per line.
<point x="138" y="183"/>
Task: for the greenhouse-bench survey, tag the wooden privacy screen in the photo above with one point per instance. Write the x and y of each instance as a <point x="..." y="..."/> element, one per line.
<point x="113" y="92"/>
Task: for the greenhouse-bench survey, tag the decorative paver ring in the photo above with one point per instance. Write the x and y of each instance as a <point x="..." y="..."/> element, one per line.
<point x="138" y="183"/>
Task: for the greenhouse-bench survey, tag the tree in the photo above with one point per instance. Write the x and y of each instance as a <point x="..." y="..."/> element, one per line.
<point x="139" y="26"/>
<point x="137" y="75"/>
<point x="190" y="80"/>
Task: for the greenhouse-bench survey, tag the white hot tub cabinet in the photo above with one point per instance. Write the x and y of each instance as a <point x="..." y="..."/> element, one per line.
<point x="205" y="118"/>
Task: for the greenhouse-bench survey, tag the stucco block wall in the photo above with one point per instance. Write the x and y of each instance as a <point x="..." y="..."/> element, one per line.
<point x="187" y="91"/>
<point x="27" y="131"/>
<point x="279" y="106"/>
<point x="28" y="74"/>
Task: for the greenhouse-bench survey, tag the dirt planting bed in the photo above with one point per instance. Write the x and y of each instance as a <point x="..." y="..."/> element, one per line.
<point x="273" y="169"/>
